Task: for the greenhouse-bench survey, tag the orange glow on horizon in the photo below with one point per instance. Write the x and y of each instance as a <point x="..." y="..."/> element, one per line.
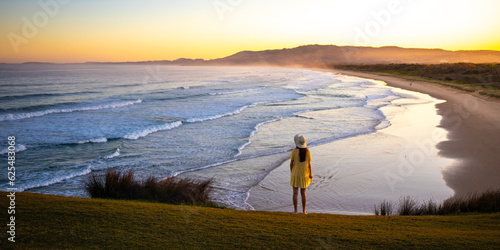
<point x="132" y="31"/>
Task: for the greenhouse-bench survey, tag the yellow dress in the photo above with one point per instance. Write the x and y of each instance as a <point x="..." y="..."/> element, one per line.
<point x="300" y="176"/>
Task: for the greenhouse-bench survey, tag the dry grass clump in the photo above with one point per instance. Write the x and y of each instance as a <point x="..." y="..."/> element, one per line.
<point x="117" y="185"/>
<point x="385" y="208"/>
<point x="486" y="202"/>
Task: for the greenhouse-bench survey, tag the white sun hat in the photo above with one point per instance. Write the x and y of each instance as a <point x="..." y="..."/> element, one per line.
<point x="300" y="141"/>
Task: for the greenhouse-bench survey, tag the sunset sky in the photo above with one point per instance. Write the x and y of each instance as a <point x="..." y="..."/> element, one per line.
<point x="125" y="30"/>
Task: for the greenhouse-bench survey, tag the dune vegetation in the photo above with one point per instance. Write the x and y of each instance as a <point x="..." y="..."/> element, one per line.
<point x="483" y="79"/>
<point x="115" y="184"/>
<point x="485" y="202"/>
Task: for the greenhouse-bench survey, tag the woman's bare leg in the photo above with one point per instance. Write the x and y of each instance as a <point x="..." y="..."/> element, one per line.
<point x="294" y="198"/>
<point x="304" y="199"/>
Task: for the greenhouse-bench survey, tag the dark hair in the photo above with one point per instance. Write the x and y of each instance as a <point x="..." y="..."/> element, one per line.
<point x="302" y="154"/>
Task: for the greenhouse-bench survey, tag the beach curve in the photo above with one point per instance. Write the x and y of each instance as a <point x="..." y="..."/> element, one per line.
<point x="473" y="126"/>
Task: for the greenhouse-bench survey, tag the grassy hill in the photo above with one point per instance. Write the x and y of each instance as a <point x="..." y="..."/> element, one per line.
<point x="46" y="221"/>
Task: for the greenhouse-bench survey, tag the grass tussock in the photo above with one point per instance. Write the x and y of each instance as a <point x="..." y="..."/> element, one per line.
<point x="486" y="202"/>
<point x="115" y="184"/>
<point x="385" y="208"/>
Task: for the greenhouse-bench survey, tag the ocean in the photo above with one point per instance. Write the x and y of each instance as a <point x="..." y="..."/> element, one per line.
<point x="72" y="120"/>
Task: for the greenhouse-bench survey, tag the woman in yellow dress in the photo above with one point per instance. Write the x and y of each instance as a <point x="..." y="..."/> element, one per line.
<point x="301" y="172"/>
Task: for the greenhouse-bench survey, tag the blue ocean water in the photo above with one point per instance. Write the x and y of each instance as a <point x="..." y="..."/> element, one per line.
<point x="71" y="120"/>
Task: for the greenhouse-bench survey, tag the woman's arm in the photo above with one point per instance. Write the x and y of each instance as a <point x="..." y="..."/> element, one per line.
<point x="291" y="165"/>
<point x="310" y="171"/>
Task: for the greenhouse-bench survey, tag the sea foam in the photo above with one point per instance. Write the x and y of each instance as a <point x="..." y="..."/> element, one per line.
<point x="19" y="148"/>
<point x="55" y="180"/>
<point x="151" y="129"/>
<point x="113" y="155"/>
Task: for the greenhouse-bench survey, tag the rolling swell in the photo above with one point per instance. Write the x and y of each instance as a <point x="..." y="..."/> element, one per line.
<point x="151" y="129"/>
<point x="20" y="116"/>
<point x="54" y="180"/>
<point x="28" y="96"/>
<point x="238" y="111"/>
<point x="175" y="94"/>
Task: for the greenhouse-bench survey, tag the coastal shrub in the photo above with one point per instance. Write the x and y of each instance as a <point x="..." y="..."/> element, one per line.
<point x="114" y="184"/>
<point x="174" y="190"/>
<point x="427" y="208"/>
<point x="407" y="206"/>
<point x="94" y="185"/>
<point x="486" y="202"/>
<point x="384" y="208"/>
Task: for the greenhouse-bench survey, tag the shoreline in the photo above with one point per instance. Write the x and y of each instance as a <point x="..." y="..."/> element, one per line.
<point x="355" y="173"/>
<point x="473" y="125"/>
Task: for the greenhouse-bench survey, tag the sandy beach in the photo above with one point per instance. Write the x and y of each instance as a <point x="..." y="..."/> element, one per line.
<point x="473" y="123"/>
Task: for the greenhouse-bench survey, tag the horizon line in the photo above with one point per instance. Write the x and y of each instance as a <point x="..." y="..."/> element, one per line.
<point x="205" y="60"/>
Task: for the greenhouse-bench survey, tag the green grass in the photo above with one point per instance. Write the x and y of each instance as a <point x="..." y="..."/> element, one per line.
<point x="45" y="221"/>
<point x="483" y="79"/>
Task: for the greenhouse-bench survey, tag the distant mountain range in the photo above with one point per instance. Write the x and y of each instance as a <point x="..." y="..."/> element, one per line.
<point x="322" y="55"/>
<point x="331" y="54"/>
